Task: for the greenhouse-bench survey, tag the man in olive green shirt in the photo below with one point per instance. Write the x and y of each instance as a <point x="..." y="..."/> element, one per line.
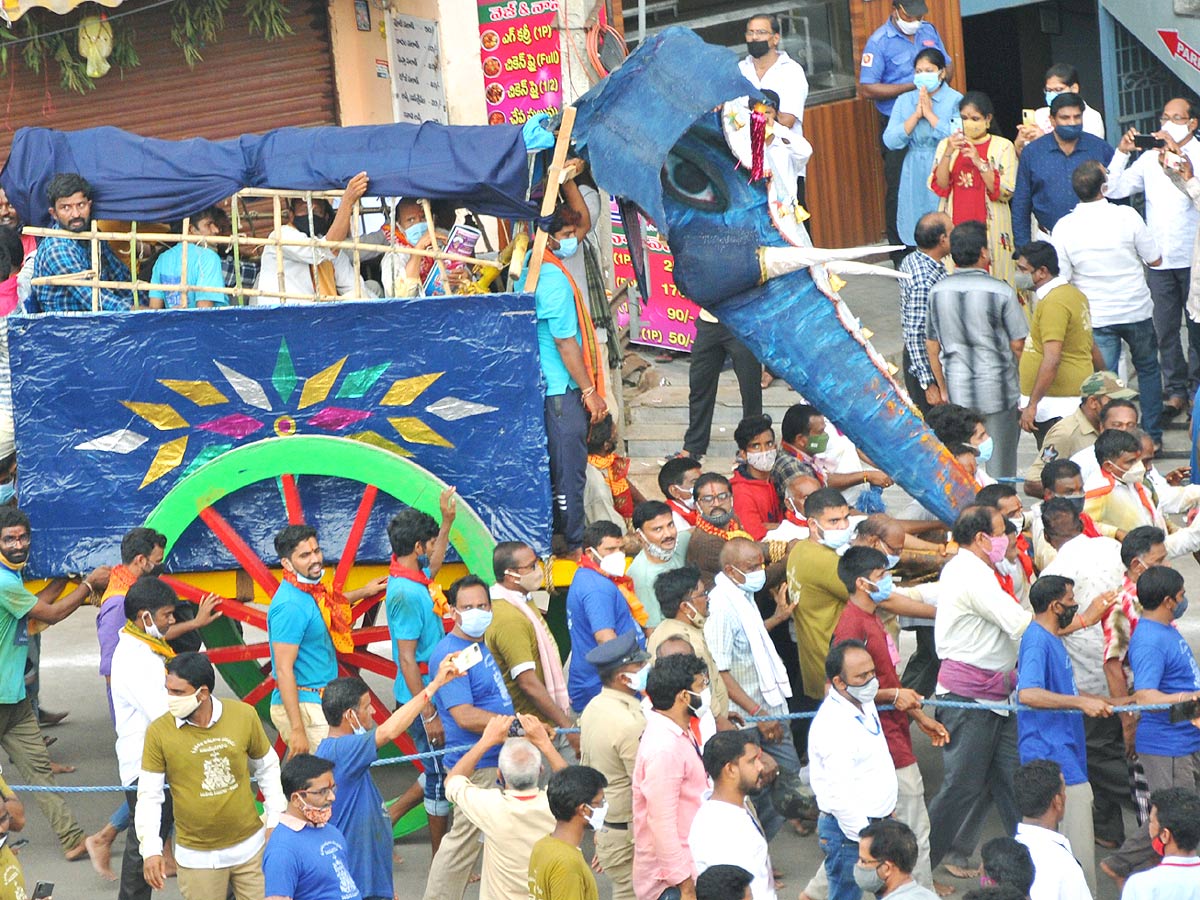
<point x="557" y="868"/>
<point x="1060" y="352"/>
<point x="208" y="750"/>
<point x="12" y="877"/>
<point x="684" y="603"/>
<point x="1078" y="430"/>
<point x="610" y="728"/>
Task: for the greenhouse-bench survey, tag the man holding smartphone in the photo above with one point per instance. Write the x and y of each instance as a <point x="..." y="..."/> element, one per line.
<point x="1173" y="221"/>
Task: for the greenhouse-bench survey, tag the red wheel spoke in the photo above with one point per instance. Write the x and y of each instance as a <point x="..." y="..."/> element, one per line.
<point x="370" y="635"/>
<point x="291" y="499"/>
<point x="234" y="609"/>
<point x="366" y="605"/>
<point x="239" y="653"/>
<point x="354" y="538"/>
<point x="259" y="692"/>
<point x="370" y="662"/>
<point x="241" y="551"/>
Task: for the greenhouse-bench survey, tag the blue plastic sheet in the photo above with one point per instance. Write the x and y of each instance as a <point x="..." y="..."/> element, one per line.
<point x="74" y="375"/>
<point x="481" y="168"/>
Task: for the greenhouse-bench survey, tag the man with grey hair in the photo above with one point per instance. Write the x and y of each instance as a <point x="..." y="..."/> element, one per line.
<point x="518" y="815"/>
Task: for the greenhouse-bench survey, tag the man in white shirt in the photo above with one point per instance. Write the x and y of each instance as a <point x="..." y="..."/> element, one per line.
<point x="1042" y="797"/>
<point x="726" y="830"/>
<point x="850" y="767"/>
<point x="1102" y="249"/>
<point x="1173" y="221"/>
<point x="767" y="67"/>
<point x="139" y="696"/>
<point x="1175" y="826"/>
<point x="306" y="271"/>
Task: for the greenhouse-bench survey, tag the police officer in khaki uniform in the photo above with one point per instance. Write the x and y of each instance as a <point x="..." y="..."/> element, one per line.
<point x="610" y="728"/>
<point x="1077" y="431"/>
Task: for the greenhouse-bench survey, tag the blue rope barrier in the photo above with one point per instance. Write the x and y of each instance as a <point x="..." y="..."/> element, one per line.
<point x="463" y="748"/>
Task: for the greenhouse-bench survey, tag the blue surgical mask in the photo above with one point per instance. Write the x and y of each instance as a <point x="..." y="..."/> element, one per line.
<point x="893" y="560"/>
<point x="567" y="247"/>
<point x="357" y="727"/>
<point x="985" y="449"/>
<point x="755" y="581"/>
<point x="1050" y="95"/>
<point x="883" y="588"/>
<point x="475" y="621"/>
<point x="1068" y="132"/>
<point x="413" y="233"/>
<point x="423" y="561"/>
<point x="1181" y="608"/>
<point x="8" y="491"/>
<point x="928" y="80"/>
<point x="637" y="680"/>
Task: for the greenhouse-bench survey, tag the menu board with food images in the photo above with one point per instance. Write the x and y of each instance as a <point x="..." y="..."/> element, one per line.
<point x="666" y="318"/>
<point x="522" y="62"/>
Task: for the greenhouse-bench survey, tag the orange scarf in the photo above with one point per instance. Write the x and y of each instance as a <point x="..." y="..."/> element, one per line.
<point x="335" y="610"/>
<point x="587" y="330"/>
<point x="397" y="237"/>
<point x="729" y="532"/>
<point x="441" y="605"/>
<point x="615" y="470"/>
<point x="120" y="580"/>
<point x="624" y="584"/>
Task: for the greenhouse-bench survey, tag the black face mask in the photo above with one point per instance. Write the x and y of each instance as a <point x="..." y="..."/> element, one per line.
<point x="758" y="49"/>
<point x="321" y="224"/>
<point x="1076" y="504"/>
<point x="1067" y="616"/>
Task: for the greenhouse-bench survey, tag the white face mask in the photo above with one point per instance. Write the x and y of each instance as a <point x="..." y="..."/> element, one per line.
<point x="689" y="502"/>
<point x="1177" y="131"/>
<point x="909" y="28"/>
<point x="150" y="628"/>
<point x="613" y="564"/>
<point x="596" y="817"/>
<point x="705" y="705"/>
<point x="662" y="554"/>
<point x="182" y="707"/>
<point x="763" y="460"/>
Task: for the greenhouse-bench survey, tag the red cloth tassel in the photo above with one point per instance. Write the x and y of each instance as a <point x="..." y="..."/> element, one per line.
<point x="758" y="139"/>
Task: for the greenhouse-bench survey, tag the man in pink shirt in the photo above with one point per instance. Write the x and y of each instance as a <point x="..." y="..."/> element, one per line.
<point x="669" y="780"/>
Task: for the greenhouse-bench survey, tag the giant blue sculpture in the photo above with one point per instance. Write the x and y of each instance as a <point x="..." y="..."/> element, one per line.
<point x="652" y="133"/>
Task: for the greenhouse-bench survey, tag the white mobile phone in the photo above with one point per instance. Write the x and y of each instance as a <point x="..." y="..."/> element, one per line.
<point x="468" y="657"/>
<point x="955" y="124"/>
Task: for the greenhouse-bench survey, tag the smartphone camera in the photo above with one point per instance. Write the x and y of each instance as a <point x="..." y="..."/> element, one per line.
<point x="515" y="729"/>
<point x="1148" y="142"/>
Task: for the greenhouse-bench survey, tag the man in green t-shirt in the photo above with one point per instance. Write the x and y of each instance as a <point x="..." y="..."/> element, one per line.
<point x="1060" y="352"/>
<point x="208" y="750"/>
<point x="19" y="735"/>
<point x="557" y="868"/>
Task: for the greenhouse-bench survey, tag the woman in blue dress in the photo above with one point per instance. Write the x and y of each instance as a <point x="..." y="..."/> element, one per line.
<point x="920" y="120"/>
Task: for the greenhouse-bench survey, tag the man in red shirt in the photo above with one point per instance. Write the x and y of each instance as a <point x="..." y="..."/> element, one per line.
<point x="864" y="572"/>
<point x="755" y="501"/>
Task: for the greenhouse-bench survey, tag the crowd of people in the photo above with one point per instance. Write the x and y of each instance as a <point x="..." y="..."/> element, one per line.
<point x="734" y="664"/>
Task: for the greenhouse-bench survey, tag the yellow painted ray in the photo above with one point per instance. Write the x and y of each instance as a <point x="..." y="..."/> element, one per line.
<point x="168" y="457"/>
<point x="318" y="386"/>
<point x="375" y="439"/>
<point x="415" y="431"/>
<point x="202" y="393"/>
<point x="405" y="390"/>
<point x="161" y="415"/>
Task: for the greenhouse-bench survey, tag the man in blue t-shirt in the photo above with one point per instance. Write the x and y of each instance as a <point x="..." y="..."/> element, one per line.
<point x="307" y="858"/>
<point x="1164" y="671"/>
<point x="1046" y="681"/>
<point x="573" y="399"/>
<point x="596" y="609"/>
<point x="358" y="811"/>
<point x="204" y="269"/>
<point x="886" y="73"/>
<point x="466" y="705"/>
<point x="415" y="628"/>
<point x="302" y="622"/>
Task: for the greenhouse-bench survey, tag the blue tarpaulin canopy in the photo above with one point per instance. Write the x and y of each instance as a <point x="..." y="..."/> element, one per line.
<point x="482" y="168"/>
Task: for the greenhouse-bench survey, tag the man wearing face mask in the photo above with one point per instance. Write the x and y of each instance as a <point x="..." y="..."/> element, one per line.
<point x="886" y="72"/>
<point x="466" y="705"/>
<point x="208" y="750"/>
<point x="610" y="730"/>
<point x="887" y="855"/>
<point x="598" y="610"/>
<point x="1044" y="176"/>
<point x="978" y="628"/>
<point x="794" y="526"/>
<point x="309" y="857"/>
<point x="308" y="624"/>
<point x="522" y="644"/>
<point x="864" y="572"/>
<point x="755" y="500"/>
<point x="1165" y="670"/>
<point x="311" y="274"/>
<point x="1173" y="221"/>
<point x="1060" y="353"/>
<point x="1103" y="250"/>
<point x="716" y="525"/>
<point x="352" y="746"/>
<point x="850" y="768"/>
<point x="139" y="696"/>
<point x="1060" y="479"/>
<point x="663" y="550"/>
<point x="203" y="269"/>
<point x="557" y="868"/>
<point x="684" y="603"/>
<point x="669" y="780"/>
<point x="676" y="479"/>
<point x="1175" y="826"/>
<point x="1050" y="730"/>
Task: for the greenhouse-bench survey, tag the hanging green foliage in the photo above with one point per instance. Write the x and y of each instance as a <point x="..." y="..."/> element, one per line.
<point x="268" y="18"/>
<point x="124" y="55"/>
<point x="196" y="23"/>
<point x="72" y="70"/>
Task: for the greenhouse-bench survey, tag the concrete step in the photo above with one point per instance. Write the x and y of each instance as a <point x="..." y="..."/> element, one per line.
<point x="669" y="404"/>
<point x="646" y="440"/>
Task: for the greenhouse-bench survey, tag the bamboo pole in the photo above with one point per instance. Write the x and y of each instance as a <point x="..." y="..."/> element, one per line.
<point x="354" y="214"/>
<point x="133" y="261"/>
<point x="183" y="273"/>
<point x="550" y="198"/>
<point x="236" y="228"/>
<point x="277" y="214"/>
<point x="96" y="262"/>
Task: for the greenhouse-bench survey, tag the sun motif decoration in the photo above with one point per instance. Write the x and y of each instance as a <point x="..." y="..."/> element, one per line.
<point x="364" y="407"/>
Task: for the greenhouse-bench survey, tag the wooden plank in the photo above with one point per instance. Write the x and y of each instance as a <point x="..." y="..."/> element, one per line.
<point x="550" y="200"/>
